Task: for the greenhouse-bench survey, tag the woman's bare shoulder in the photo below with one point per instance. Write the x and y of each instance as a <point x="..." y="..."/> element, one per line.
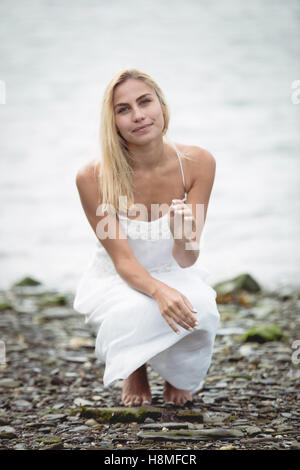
<point x="88" y="170"/>
<point x="198" y="159"/>
<point x="199" y="164"/>
<point x="195" y="153"/>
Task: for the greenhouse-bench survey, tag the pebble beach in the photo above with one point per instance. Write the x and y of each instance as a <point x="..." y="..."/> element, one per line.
<point x="52" y="394"/>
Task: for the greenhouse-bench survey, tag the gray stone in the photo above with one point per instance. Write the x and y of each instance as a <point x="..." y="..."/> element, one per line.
<point x="172" y="425"/>
<point x="57" y="313"/>
<point x="22" y="404"/>
<point x="252" y="430"/>
<point x="195" y="434"/>
<point x="79" y="359"/>
<point x="83" y="402"/>
<point x="7" y="432"/>
<point x="81" y="428"/>
<point x="55" y="417"/>
<point x="230" y="331"/>
<point x="9" y="383"/>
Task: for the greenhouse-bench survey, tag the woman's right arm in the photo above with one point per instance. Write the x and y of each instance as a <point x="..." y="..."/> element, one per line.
<point x="172" y="304"/>
<point x="118" y="248"/>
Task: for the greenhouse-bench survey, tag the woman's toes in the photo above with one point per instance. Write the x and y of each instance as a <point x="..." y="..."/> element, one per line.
<point x="127" y="401"/>
<point x="146" y="401"/>
<point x="169" y="401"/>
<point x="137" y="401"/>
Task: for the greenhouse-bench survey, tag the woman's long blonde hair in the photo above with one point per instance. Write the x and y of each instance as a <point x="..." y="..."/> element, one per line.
<point x="115" y="173"/>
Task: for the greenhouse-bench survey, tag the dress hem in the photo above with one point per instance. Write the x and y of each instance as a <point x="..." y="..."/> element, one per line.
<point x="147" y="358"/>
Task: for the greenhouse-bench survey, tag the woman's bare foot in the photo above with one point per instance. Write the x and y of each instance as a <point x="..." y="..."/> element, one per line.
<point x="176" y="396"/>
<point x="136" y="390"/>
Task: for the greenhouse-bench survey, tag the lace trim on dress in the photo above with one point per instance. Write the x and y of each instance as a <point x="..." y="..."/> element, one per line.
<point x="155" y="230"/>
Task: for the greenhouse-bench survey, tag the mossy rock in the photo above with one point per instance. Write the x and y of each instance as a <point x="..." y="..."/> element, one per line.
<point x="7" y="435"/>
<point x="240" y="376"/>
<point x="243" y="282"/>
<point x="121" y="415"/>
<point x="27" y="281"/>
<point x="137" y="414"/>
<point x="190" y="415"/>
<point x="49" y="439"/>
<point x="232" y="417"/>
<point x="5" y="306"/>
<point x="56" y="300"/>
<point x="197" y="434"/>
<point x="264" y="333"/>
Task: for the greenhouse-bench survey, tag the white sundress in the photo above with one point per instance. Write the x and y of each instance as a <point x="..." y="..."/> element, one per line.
<point x="130" y="328"/>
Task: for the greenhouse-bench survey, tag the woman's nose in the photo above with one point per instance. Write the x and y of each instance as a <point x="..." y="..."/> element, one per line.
<point x="138" y="113"/>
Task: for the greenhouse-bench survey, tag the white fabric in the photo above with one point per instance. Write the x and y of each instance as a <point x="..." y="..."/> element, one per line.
<point x="129" y="325"/>
<point x="130" y="328"/>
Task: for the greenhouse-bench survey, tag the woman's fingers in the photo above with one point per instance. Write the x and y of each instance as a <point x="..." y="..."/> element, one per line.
<point x="177" y="316"/>
<point x="183" y="317"/>
<point x="188" y="303"/>
<point x="187" y="312"/>
<point x="171" y="324"/>
<point x="186" y="316"/>
<point x="178" y="321"/>
<point x="176" y="308"/>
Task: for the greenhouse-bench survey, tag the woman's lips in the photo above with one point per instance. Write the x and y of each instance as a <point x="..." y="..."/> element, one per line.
<point x="143" y="128"/>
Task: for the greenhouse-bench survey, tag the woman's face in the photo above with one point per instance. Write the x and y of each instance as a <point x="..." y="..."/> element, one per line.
<point x="135" y="105"/>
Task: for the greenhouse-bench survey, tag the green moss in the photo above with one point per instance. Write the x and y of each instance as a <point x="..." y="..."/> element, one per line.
<point x="240" y="376"/>
<point x="143" y="413"/>
<point x="106" y="416"/>
<point x="57" y="300"/>
<point x="27" y="281"/>
<point x="242" y="282"/>
<point x="263" y="420"/>
<point x="7" y="435"/>
<point x="49" y="439"/>
<point x="264" y="333"/>
<point x="232" y="417"/>
<point x="73" y="411"/>
<point x="181" y="433"/>
<point x="121" y="415"/>
<point x="5" y="306"/>
<point x="190" y="415"/>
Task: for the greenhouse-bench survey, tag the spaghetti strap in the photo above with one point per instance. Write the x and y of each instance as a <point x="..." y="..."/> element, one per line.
<point x="182" y="173"/>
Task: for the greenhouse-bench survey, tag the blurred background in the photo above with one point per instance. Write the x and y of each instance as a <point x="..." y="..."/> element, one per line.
<point x="230" y="72"/>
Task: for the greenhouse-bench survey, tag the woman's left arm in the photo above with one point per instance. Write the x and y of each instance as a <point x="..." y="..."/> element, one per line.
<point x="187" y="219"/>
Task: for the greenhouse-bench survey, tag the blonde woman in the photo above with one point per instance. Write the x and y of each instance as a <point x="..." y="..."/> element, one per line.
<point x="146" y="200"/>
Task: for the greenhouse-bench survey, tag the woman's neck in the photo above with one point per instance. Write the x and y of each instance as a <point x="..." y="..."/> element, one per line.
<point x="148" y="157"/>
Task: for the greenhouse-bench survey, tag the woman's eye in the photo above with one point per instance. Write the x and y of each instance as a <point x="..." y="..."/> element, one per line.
<point x="123" y="109"/>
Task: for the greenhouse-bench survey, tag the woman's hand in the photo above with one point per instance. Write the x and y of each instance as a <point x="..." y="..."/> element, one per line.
<point x="175" y="306"/>
<point x="181" y="221"/>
